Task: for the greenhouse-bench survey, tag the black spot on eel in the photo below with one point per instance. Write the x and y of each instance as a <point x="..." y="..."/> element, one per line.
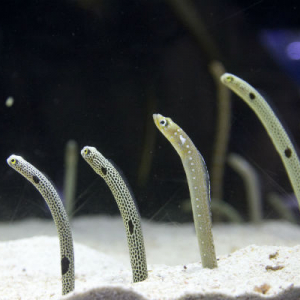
<point x="59" y="215"/>
<point x="274" y="128"/>
<point x="127" y="208"/>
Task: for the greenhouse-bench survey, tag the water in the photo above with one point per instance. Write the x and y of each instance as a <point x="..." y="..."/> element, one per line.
<point x="95" y="72"/>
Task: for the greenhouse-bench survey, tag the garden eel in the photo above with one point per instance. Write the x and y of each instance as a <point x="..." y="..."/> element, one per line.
<point x="127" y="207"/>
<point x="59" y="215"/>
<point x="198" y="181"/>
<point x="272" y="124"/>
<point x="70" y="180"/>
<point x="222" y="134"/>
<point x="251" y="183"/>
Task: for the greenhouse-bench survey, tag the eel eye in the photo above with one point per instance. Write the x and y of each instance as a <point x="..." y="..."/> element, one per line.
<point x="163" y="122"/>
<point x="86" y="151"/>
<point x="229" y="79"/>
<point x="13" y="161"/>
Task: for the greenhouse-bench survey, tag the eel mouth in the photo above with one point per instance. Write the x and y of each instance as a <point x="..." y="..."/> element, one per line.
<point x="157" y="118"/>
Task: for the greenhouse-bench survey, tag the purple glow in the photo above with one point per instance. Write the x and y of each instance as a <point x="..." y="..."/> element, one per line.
<point x="293" y="50"/>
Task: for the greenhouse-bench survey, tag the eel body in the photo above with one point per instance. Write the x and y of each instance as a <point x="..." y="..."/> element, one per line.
<point x="252" y="185"/>
<point x="43" y="185"/>
<point x="127" y="207"/>
<point x="271" y="123"/>
<point x="198" y="182"/>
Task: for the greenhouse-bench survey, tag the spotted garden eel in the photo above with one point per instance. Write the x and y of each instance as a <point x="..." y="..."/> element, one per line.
<point x="59" y="215"/>
<point x="271" y="123"/>
<point x="127" y="207"/>
<point x="198" y="182"/>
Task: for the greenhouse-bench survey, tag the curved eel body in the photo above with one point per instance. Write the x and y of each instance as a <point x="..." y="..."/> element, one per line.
<point x="252" y="185"/>
<point x="127" y="209"/>
<point x="271" y="123"/>
<point x="198" y="182"/>
<point x="59" y="215"/>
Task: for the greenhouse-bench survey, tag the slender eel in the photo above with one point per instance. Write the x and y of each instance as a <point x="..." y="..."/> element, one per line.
<point x="222" y="134"/>
<point x="71" y="160"/>
<point x="59" y="215"/>
<point x="271" y="123"/>
<point x="252" y="185"/>
<point x="198" y="181"/>
<point x="127" y="207"/>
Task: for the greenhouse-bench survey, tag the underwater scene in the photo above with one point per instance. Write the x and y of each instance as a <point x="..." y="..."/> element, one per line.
<point x="149" y="149"/>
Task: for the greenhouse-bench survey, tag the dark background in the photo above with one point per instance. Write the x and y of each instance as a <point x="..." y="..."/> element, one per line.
<point x="95" y="71"/>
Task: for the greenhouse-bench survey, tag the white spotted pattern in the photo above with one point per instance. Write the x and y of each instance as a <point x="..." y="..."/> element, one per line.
<point x="182" y="139"/>
<point x="127" y="209"/>
<point x="198" y="182"/>
<point x="271" y="123"/>
<point x="43" y="185"/>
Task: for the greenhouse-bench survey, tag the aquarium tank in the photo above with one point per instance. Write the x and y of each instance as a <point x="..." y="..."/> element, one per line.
<point x="79" y="75"/>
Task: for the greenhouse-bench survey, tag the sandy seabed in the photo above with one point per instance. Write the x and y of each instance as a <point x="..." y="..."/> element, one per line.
<point x="254" y="262"/>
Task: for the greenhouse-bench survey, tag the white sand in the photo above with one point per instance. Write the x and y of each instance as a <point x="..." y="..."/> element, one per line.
<point x="30" y="267"/>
